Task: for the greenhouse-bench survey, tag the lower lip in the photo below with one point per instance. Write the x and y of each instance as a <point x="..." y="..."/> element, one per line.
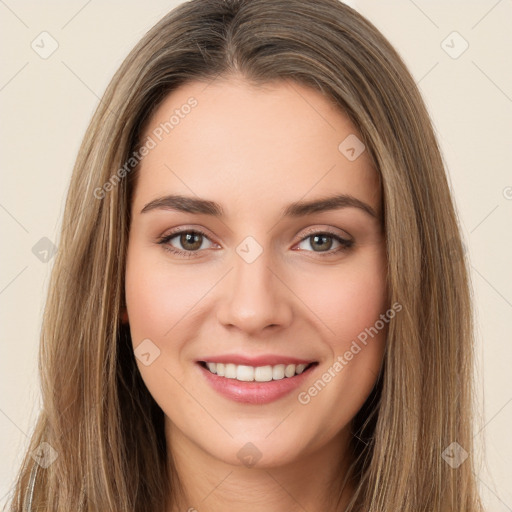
<point x="255" y="392"/>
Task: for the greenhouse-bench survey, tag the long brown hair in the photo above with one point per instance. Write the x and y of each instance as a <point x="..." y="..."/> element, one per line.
<point x="97" y="415"/>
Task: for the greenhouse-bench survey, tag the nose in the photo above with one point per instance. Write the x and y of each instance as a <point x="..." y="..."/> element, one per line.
<point x="255" y="298"/>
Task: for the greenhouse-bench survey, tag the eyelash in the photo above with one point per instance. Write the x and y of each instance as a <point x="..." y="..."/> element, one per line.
<point x="345" y="244"/>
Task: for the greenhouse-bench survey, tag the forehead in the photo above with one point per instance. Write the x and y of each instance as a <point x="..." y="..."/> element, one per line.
<point x="251" y="145"/>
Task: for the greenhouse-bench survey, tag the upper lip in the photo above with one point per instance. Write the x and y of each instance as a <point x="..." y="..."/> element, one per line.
<point x="262" y="360"/>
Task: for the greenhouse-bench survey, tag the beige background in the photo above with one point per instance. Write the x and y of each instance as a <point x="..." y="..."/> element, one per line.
<point x="46" y="105"/>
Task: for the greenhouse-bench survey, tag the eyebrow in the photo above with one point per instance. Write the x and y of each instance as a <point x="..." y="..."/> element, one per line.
<point x="298" y="209"/>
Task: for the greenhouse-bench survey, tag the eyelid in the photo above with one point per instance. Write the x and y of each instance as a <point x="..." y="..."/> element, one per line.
<point x="187" y="229"/>
<point x="309" y="231"/>
<point x="178" y="231"/>
<point x="327" y="230"/>
<point x="345" y="242"/>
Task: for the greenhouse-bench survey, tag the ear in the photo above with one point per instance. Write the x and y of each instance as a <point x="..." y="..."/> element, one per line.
<point x="124" y="316"/>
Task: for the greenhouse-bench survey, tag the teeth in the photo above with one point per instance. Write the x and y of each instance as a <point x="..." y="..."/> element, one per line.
<point x="300" y="368"/>
<point x="278" y="372"/>
<point x="246" y="373"/>
<point x="230" y="372"/>
<point x="263" y="373"/>
<point x="289" y="371"/>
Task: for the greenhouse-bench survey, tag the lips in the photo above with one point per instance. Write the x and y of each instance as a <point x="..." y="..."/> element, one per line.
<point x="256" y="380"/>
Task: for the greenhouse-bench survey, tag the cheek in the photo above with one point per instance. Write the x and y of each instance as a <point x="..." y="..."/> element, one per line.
<point x="350" y="299"/>
<point x="157" y="300"/>
<point x="349" y="305"/>
<point x="157" y="296"/>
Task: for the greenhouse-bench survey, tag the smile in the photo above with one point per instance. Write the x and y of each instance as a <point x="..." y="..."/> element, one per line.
<point x="259" y="384"/>
<point x="245" y="373"/>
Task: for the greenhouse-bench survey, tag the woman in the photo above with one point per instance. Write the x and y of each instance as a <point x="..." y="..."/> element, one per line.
<point x="201" y="348"/>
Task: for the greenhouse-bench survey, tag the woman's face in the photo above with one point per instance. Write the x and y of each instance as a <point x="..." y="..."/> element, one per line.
<point x="228" y="264"/>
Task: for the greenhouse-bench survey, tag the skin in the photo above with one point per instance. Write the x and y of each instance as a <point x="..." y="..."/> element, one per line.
<point x="254" y="150"/>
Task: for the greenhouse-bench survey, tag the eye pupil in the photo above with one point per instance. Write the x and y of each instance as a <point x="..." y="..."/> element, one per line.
<point x="323" y="238"/>
<point x="188" y="238"/>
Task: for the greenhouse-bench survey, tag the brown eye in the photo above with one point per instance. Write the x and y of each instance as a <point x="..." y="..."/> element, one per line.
<point x="191" y="241"/>
<point x="188" y="242"/>
<point x="322" y="242"/>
